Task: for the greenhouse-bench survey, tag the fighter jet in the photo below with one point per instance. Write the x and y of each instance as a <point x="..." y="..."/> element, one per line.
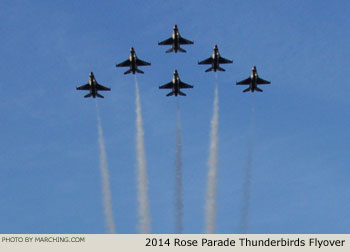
<point x="133" y="62"/>
<point x="215" y="60"/>
<point x="175" y="85"/>
<point x="253" y="81"/>
<point x="175" y="41"/>
<point x="93" y="86"/>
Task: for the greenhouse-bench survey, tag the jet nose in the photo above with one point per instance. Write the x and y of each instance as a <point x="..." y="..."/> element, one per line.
<point x="175" y="71"/>
<point x="175" y="26"/>
<point x="91" y="73"/>
<point x="132" y="49"/>
<point x="254" y="68"/>
<point x="216" y="46"/>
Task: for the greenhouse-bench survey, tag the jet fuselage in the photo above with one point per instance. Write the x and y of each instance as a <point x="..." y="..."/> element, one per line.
<point x="133" y="58"/>
<point x="92" y="83"/>
<point x="215" y="56"/>
<point x="176" y="83"/>
<point x="176" y="38"/>
<point x="254" y="79"/>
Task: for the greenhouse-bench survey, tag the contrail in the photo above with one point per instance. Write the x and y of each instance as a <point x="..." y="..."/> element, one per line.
<point x="212" y="163"/>
<point x="248" y="177"/>
<point x="178" y="185"/>
<point x="106" y="191"/>
<point x="142" y="180"/>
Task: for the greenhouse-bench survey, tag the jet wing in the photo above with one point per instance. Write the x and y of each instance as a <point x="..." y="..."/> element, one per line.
<point x="124" y="63"/>
<point x="168" y="41"/>
<point x="224" y="61"/>
<point x="185" y="85"/>
<point x="142" y="63"/>
<point x="102" y="88"/>
<point x="84" y="87"/>
<point x="262" y="81"/>
<point x="184" y="41"/>
<point x="244" y="82"/>
<point x="207" y="61"/>
<point x="167" y="86"/>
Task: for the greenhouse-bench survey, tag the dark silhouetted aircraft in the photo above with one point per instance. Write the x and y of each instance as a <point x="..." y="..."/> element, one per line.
<point x="175" y="85"/>
<point x="253" y="81"/>
<point x="93" y="86"/>
<point x="175" y="41"/>
<point x="133" y="62"/>
<point x="215" y="60"/>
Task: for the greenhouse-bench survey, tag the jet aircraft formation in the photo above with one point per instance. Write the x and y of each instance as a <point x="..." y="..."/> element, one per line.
<point x="175" y="41"/>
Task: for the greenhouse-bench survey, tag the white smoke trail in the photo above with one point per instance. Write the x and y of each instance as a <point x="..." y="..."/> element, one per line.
<point x="248" y="177"/>
<point x="142" y="180"/>
<point x="178" y="185"/>
<point x="106" y="191"/>
<point x="212" y="163"/>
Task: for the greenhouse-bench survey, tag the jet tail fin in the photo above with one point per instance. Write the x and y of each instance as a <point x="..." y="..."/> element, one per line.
<point x="181" y="93"/>
<point x="139" y="71"/>
<point x="182" y="50"/>
<point x="221" y="69"/>
<point x="98" y="95"/>
<point x="209" y="69"/>
<point x="88" y="95"/>
<point x="170" y="50"/>
<point x="258" y="89"/>
<point x="127" y="72"/>
<point x="246" y="90"/>
<point x="170" y="94"/>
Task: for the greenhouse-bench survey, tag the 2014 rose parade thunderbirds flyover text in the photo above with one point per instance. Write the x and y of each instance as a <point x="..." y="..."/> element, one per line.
<point x="245" y="242"/>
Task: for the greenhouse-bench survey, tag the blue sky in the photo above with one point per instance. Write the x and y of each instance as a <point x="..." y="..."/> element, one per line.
<point x="50" y="178"/>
